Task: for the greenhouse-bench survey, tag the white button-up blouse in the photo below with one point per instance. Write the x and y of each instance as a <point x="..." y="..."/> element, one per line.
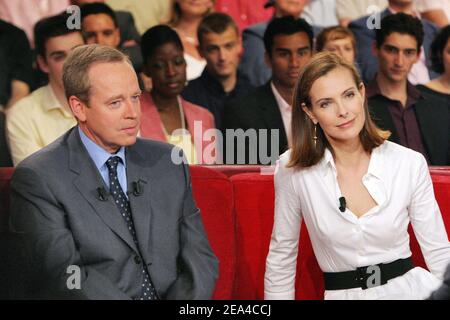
<point x="397" y="179"/>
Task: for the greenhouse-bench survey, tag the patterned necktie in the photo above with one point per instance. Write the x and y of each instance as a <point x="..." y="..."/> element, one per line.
<point x="122" y="203"/>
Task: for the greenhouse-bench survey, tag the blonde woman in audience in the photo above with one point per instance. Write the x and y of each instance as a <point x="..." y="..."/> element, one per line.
<point x="440" y="58"/>
<point x="339" y="40"/>
<point x="165" y="115"/>
<point x="356" y="192"/>
<point x="185" y="16"/>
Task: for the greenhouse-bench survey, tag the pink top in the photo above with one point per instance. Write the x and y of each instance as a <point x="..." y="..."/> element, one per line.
<point x="152" y="126"/>
<point x="245" y="12"/>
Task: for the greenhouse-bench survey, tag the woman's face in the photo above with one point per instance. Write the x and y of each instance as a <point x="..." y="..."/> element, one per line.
<point x="338" y="105"/>
<point x="446" y="58"/>
<point x="342" y="47"/>
<point x="167" y="68"/>
<point x="195" y="7"/>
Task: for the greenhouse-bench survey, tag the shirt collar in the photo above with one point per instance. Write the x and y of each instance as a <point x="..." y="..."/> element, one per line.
<point x="51" y="102"/>
<point x="97" y="153"/>
<point x="280" y="100"/>
<point x="373" y="89"/>
<point x="375" y="165"/>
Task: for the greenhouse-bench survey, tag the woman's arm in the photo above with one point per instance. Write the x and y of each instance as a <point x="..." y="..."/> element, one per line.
<point x="427" y="221"/>
<point x="279" y="282"/>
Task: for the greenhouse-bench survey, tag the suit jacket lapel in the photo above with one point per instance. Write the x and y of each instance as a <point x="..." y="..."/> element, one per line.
<point x="272" y="115"/>
<point x="140" y="203"/>
<point x="87" y="181"/>
<point x="432" y="123"/>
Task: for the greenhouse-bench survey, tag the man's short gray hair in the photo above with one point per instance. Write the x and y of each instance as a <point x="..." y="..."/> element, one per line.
<point x="76" y="67"/>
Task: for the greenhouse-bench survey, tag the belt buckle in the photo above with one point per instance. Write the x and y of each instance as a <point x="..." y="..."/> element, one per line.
<point x="362" y="277"/>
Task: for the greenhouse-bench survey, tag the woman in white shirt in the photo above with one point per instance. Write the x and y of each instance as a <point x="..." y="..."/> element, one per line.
<point x="356" y="192"/>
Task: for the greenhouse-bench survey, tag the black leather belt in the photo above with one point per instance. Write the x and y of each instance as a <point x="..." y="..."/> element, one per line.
<point x="367" y="277"/>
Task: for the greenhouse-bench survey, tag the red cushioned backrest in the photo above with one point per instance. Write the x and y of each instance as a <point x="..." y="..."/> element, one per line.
<point x="213" y="194"/>
<point x="5" y="178"/>
<point x="231" y="170"/>
<point x="254" y="205"/>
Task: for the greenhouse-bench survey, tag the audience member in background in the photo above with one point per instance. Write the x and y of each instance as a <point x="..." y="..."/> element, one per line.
<point x="420" y="122"/>
<point x="349" y="10"/>
<point x="365" y="38"/>
<point x="24" y="14"/>
<point x="5" y="157"/>
<point x="220" y="44"/>
<point x="357" y="195"/>
<point x="185" y="16"/>
<point x="146" y="13"/>
<point x="288" y="42"/>
<point x="37" y="120"/>
<point x="16" y="73"/>
<point x="244" y="12"/>
<point x="440" y="58"/>
<point x="320" y="13"/>
<point x="339" y="40"/>
<point x="253" y="64"/>
<point x="165" y="115"/>
<point x="100" y="25"/>
<point x="437" y="11"/>
<point x="103" y="209"/>
<point x="129" y="36"/>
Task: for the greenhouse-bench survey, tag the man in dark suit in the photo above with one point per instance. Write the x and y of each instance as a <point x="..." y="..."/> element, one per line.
<point x="288" y="43"/>
<point x="416" y="120"/>
<point x="365" y="38"/>
<point x="253" y="64"/>
<point x="106" y="215"/>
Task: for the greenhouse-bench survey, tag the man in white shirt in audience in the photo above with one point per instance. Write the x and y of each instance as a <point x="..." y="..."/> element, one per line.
<point x="38" y="119"/>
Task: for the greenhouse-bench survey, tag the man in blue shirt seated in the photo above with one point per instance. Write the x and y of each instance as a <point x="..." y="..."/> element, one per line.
<point x="103" y="214"/>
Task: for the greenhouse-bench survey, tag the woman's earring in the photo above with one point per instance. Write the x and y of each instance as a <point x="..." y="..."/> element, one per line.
<point x="315" y="135"/>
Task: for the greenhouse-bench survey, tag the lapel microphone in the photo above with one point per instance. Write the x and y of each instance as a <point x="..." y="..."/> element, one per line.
<point x="102" y="194"/>
<point x="138" y="189"/>
<point x="342" y="204"/>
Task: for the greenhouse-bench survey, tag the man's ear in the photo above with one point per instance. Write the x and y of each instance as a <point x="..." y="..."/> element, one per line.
<point x="267" y="60"/>
<point x="375" y="49"/>
<point x="42" y="64"/>
<point x="78" y="108"/>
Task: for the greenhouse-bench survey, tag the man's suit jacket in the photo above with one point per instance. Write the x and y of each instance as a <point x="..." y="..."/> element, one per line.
<point x="365" y="38"/>
<point x="55" y="204"/>
<point x="258" y="110"/>
<point x="433" y="118"/>
<point x="129" y="32"/>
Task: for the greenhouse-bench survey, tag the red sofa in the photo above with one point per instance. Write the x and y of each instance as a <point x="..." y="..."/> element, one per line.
<point x="237" y="210"/>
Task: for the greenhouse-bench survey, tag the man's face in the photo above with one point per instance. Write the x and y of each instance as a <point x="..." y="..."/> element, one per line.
<point x="100" y="29"/>
<point x="56" y="51"/>
<point x="290" y="7"/>
<point x="446" y="58"/>
<point x="221" y="52"/>
<point x="342" y="47"/>
<point x="111" y="117"/>
<point x="397" y="55"/>
<point x="289" y="54"/>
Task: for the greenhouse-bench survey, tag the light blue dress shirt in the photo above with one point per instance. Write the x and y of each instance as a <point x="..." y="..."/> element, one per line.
<point x="100" y="156"/>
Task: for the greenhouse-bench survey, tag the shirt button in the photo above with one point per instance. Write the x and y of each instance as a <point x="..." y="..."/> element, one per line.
<point x="137" y="259"/>
<point x="243" y="17"/>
